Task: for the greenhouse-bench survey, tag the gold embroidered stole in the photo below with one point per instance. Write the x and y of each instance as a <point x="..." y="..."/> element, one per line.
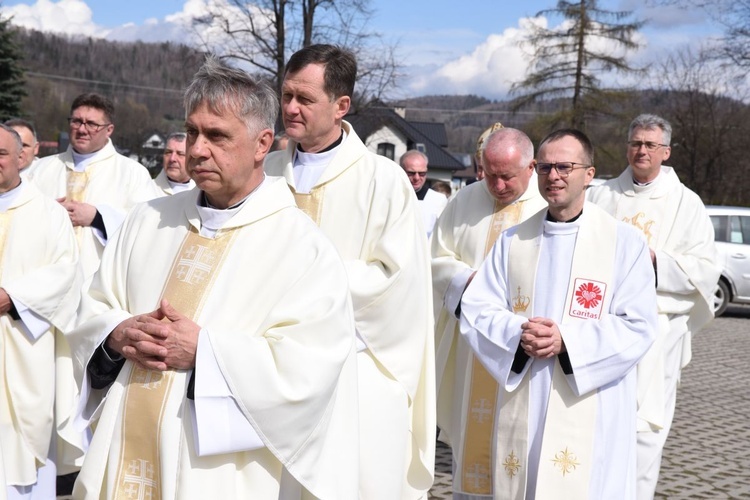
<point x="75" y="190"/>
<point x="193" y="273"/>
<point x="311" y="203"/>
<point x="479" y="424"/>
<point x="566" y="457"/>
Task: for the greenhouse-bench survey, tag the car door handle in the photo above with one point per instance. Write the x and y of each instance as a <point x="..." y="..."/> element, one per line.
<point x="739" y="256"/>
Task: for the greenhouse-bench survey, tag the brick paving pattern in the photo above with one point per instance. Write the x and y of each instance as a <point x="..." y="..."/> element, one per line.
<point x="707" y="455"/>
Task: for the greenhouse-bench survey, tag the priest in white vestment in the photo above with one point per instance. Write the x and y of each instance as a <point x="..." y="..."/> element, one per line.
<point x="97" y="186"/>
<point x="465" y="232"/>
<point x="559" y="314"/>
<point x="431" y="203"/>
<point x="365" y="205"/>
<point x="650" y="197"/>
<point x="174" y="177"/>
<point x="232" y="312"/>
<point x="30" y="146"/>
<point x="39" y="293"/>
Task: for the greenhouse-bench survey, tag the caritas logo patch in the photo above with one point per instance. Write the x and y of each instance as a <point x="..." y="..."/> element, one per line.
<point x="588" y="299"/>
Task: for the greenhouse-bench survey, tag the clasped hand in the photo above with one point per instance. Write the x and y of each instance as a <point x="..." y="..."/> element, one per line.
<point x="160" y="340"/>
<point x="541" y="338"/>
<point x="81" y="214"/>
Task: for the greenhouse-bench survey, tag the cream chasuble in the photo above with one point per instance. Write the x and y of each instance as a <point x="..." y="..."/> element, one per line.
<point x="467" y="394"/>
<point x="278" y="319"/>
<point x="564" y="435"/>
<point x="676" y="226"/>
<point x="364" y="203"/>
<point x="194" y="270"/>
<point x="38" y="261"/>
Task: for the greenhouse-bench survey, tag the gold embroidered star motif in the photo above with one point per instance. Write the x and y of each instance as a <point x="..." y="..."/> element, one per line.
<point x="566" y="461"/>
<point x="512" y="464"/>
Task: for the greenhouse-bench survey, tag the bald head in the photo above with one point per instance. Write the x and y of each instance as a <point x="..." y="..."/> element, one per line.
<point x="10" y="158"/>
<point x="508" y="160"/>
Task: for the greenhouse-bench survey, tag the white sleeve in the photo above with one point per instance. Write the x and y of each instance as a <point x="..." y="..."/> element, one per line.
<point x="33" y="325"/>
<point x="219" y="424"/>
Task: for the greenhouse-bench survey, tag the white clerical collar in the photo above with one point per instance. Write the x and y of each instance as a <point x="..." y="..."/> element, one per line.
<point x="7" y="198"/>
<point x="308" y="167"/>
<point x="213" y="219"/>
<point x="178" y="187"/>
<point x="649" y="183"/>
<point x="82" y="160"/>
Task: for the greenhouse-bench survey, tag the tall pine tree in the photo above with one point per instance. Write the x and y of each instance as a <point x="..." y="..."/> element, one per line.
<point x="567" y="60"/>
<point x="12" y="81"/>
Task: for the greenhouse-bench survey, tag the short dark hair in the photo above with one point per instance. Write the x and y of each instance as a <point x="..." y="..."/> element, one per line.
<point x="176" y="136"/>
<point x="583" y="140"/>
<point x="20" y="122"/>
<point x="340" y="67"/>
<point x="96" y="101"/>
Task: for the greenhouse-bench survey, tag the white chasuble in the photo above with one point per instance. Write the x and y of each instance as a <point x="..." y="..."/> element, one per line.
<point x="564" y="435"/>
<point x="364" y="203"/>
<point x="467" y="394"/>
<point x="38" y="261"/>
<point x="678" y="229"/>
<point x="278" y="320"/>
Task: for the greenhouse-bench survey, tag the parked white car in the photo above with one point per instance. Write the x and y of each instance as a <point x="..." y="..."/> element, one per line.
<point x="732" y="235"/>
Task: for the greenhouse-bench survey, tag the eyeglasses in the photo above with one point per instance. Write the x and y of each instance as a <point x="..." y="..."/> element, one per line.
<point x="92" y="127"/>
<point x="650" y="146"/>
<point x="411" y="173"/>
<point x="563" y="168"/>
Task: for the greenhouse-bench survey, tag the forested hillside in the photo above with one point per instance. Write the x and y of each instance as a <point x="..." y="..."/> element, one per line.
<point x="144" y="80"/>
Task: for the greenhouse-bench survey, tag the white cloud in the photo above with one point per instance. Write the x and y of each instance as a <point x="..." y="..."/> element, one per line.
<point x="496" y="63"/>
<point x="70" y="17"/>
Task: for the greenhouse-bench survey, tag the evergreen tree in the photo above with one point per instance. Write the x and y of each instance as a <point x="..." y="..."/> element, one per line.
<point x="11" y="74"/>
<point x="566" y="60"/>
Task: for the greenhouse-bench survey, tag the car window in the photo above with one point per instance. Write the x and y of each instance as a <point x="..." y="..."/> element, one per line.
<point x="720" y="227"/>
<point x="739" y="229"/>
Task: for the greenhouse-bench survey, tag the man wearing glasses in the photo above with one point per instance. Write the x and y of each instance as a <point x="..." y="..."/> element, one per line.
<point x="649" y="196"/>
<point x="92" y="181"/>
<point x="559" y="314"/>
<point x="431" y="203"/>
<point x="174" y="177"/>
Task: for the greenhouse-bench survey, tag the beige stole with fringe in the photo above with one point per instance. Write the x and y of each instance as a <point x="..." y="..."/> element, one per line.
<point x="479" y="423"/>
<point x="565" y="461"/>
<point x="194" y="271"/>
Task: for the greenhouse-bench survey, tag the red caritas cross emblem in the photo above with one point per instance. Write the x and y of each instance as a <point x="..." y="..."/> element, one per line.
<point x="589" y="295"/>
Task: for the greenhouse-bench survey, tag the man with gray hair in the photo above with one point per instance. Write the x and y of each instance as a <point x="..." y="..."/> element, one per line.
<point x="39" y="292"/>
<point x="464" y="234"/>
<point x="219" y="327"/>
<point x="649" y="196"/>
<point x="27" y="131"/>
<point x="431" y="203"/>
<point x="174" y="177"/>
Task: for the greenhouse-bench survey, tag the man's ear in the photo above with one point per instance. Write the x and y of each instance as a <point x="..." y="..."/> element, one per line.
<point x="343" y="104"/>
<point x="667" y="153"/>
<point x="265" y="141"/>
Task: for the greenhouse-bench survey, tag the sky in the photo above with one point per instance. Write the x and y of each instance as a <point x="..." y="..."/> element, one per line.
<point x="445" y="46"/>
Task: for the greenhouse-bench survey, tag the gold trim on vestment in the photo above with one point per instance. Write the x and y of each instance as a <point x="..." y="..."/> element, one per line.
<point x="311" y="203"/>
<point x="194" y="271"/>
<point x="479" y="424"/>
<point x="75" y="190"/>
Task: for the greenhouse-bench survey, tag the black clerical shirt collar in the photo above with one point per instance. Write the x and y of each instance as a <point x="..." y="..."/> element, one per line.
<point x="552" y="219"/>
<point x="335" y="143"/>
<point x="422" y="192"/>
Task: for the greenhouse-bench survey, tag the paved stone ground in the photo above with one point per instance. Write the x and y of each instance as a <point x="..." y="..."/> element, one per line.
<point x="707" y="455"/>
